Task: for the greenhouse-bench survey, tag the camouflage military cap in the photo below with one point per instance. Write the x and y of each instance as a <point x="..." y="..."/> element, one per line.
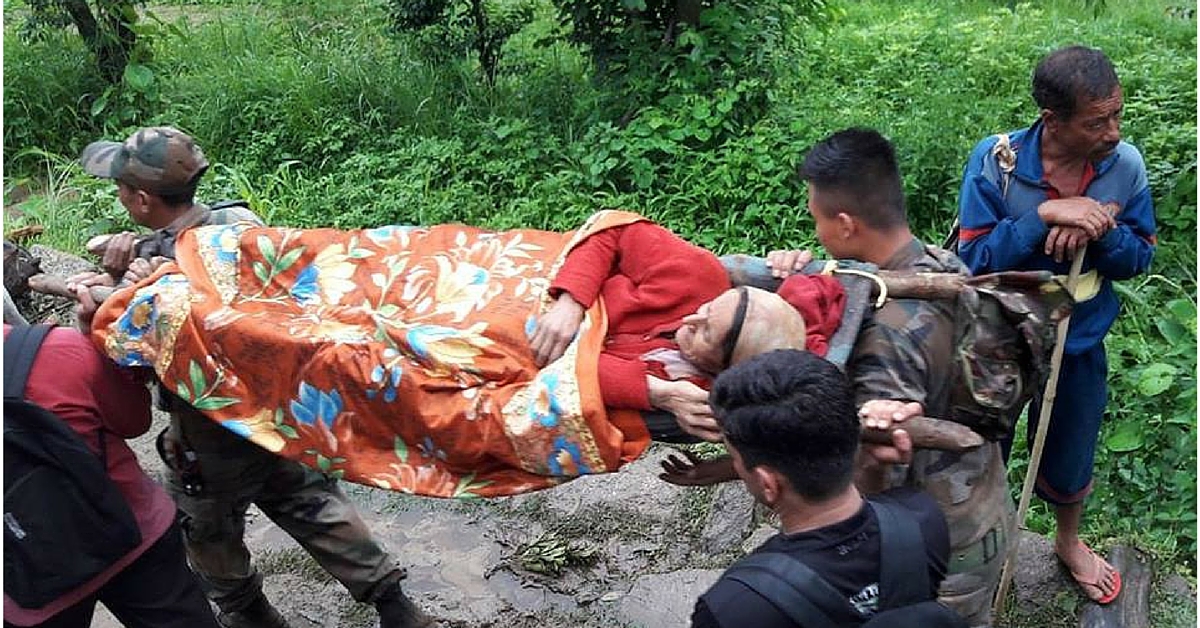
<point x="160" y="160"/>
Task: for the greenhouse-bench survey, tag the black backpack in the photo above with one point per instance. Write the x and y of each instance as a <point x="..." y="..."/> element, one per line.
<point x="811" y="602"/>
<point x="65" y="521"/>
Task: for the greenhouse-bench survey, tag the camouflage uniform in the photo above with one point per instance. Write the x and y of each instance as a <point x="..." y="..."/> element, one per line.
<point x="904" y="352"/>
<point x="230" y="474"/>
<point x="214" y="475"/>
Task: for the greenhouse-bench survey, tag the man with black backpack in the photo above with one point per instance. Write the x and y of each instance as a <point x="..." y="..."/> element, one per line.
<point x="82" y="521"/>
<point x="789" y="422"/>
<point x="213" y="474"/>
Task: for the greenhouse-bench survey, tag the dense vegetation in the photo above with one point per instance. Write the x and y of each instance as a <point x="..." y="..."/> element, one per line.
<point x="325" y="116"/>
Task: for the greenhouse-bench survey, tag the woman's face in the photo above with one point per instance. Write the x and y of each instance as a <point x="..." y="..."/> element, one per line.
<point x="701" y="338"/>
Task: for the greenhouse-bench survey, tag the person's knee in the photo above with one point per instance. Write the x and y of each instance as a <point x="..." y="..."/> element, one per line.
<point x="206" y="523"/>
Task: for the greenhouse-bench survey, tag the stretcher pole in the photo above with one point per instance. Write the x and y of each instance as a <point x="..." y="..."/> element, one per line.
<point x="1039" y="439"/>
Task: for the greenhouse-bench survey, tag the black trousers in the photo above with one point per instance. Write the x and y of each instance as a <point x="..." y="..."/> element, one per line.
<point x="155" y="591"/>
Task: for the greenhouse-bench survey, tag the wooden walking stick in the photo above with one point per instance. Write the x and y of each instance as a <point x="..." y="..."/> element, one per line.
<point x="1039" y="439"/>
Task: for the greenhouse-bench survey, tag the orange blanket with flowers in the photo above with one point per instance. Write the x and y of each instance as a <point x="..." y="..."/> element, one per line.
<point x="395" y="357"/>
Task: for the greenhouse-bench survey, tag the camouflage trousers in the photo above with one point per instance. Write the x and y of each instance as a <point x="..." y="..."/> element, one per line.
<point x="971" y="585"/>
<point x="231" y="473"/>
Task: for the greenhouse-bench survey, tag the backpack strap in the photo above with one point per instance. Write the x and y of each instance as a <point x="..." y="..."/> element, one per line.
<point x="1006" y="158"/>
<point x="792" y="587"/>
<point x="20" y="349"/>
<point x="225" y="204"/>
<point x="903" y="574"/>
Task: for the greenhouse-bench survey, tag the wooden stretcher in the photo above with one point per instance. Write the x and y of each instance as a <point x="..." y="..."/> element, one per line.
<point x="866" y="288"/>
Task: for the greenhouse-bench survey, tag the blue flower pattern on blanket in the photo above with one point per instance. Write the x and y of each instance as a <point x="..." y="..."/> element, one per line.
<point x="224" y="242"/>
<point x="545" y="408"/>
<point x="446" y="350"/>
<point x="387" y="376"/>
<point x="305" y="288"/>
<point x="566" y="459"/>
<point x="387" y="233"/>
<point x="140" y="316"/>
<point x="314" y="405"/>
<point x="430" y="450"/>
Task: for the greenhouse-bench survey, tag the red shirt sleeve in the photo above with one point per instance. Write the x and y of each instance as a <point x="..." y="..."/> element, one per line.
<point x="587" y="266"/>
<point x="623" y="383"/>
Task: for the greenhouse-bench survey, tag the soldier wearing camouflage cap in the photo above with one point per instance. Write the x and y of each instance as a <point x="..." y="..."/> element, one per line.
<point x="213" y="474"/>
<point x="159" y="160"/>
<point x="902" y="360"/>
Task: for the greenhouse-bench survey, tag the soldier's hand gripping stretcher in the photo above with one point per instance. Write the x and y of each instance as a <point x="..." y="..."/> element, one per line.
<point x="890" y="430"/>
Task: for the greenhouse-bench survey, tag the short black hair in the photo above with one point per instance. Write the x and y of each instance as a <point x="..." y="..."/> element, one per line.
<point x="860" y="166"/>
<point x="1067" y="74"/>
<point x="186" y="196"/>
<point x="792" y="411"/>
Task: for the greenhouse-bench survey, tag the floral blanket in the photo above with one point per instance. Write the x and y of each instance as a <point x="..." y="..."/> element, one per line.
<point x="396" y="357"/>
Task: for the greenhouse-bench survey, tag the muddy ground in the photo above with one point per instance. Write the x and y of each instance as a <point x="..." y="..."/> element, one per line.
<point x="611" y="551"/>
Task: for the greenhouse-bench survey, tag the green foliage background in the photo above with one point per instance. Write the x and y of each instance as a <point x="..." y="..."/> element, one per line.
<point x="323" y="116"/>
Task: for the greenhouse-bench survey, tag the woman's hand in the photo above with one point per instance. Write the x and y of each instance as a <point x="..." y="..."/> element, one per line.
<point x="556" y="329"/>
<point x="689" y="403"/>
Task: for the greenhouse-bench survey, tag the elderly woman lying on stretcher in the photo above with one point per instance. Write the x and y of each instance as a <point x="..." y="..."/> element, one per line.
<point x="445" y="361"/>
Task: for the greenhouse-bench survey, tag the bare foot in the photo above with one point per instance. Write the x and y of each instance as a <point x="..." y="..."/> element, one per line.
<point x="1099" y="580"/>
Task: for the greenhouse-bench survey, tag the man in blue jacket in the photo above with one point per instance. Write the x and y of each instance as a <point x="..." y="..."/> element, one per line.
<point x="1034" y="198"/>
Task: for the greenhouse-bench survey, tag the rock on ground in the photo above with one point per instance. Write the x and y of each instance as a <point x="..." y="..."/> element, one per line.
<point x="666" y="599"/>
<point x="1039" y="576"/>
<point x="40" y="307"/>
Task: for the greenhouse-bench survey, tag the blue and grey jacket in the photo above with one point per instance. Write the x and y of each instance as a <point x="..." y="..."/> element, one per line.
<point x="1002" y="230"/>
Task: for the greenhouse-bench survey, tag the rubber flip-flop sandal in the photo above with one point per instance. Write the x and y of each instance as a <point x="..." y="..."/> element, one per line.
<point x="1098" y="563"/>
